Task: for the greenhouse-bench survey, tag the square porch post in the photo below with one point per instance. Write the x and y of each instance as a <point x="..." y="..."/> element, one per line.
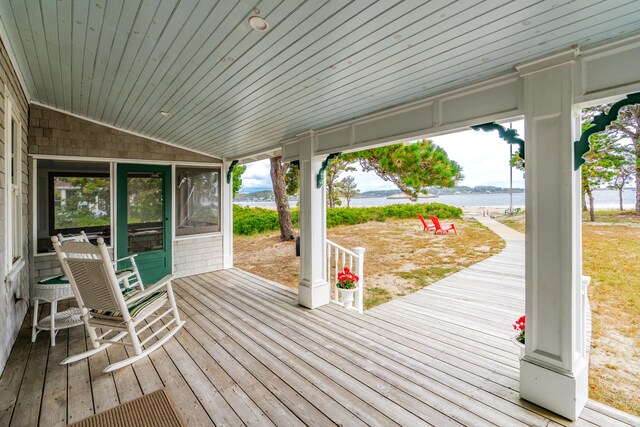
<point x="227" y="216"/>
<point x="313" y="290"/>
<point x="554" y="370"/>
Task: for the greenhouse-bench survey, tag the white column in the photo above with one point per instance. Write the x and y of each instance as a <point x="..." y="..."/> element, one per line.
<point x="313" y="290"/>
<point x="554" y="370"/>
<point x="227" y="217"/>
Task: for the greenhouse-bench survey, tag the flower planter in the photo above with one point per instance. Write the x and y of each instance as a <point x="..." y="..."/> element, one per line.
<point x="347" y="296"/>
<point x="518" y="344"/>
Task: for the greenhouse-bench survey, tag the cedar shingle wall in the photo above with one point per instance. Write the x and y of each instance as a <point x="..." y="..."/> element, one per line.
<point x="197" y="255"/>
<point x="12" y="314"/>
<point x="55" y="133"/>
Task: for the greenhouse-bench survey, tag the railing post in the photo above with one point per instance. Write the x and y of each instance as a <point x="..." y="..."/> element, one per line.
<point x="360" y="273"/>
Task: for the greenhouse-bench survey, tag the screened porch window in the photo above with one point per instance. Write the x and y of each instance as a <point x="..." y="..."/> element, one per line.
<point x="73" y="197"/>
<point x="197" y="200"/>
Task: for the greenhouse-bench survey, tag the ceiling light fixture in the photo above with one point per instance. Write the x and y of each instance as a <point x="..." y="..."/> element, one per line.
<point x="259" y="24"/>
<point x="165" y="114"/>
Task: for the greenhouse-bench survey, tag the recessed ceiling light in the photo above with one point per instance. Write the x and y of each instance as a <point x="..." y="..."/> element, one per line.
<point x="258" y="24"/>
<point x="165" y="114"/>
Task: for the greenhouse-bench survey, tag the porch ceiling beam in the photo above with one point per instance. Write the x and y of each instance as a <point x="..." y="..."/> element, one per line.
<point x="496" y="99"/>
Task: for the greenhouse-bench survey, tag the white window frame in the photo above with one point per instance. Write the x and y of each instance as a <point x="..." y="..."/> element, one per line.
<point x="36" y="190"/>
<point x="174" y="203"/>
<point x="13" y="198"/>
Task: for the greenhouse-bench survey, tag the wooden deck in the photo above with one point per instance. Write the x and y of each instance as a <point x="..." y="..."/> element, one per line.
<point x="249" y="355"/>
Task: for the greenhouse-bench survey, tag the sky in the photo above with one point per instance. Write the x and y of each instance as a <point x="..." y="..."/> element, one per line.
<point x="484" y="158"/>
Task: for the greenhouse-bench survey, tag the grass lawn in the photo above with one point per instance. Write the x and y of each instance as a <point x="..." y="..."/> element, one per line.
<point x="400" y="257"/>
<point x="611" y="256"/>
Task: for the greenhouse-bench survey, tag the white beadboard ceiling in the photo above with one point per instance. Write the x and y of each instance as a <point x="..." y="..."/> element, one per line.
<point x="232" y="90"/>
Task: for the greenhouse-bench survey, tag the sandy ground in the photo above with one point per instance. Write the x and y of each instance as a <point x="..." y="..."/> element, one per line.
<point x="400" y="258"/>
<point x="611" y="257"/>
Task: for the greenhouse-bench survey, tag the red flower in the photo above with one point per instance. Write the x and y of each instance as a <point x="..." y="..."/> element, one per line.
<point x="520" y="326"/>
<point x="346" y="279"/>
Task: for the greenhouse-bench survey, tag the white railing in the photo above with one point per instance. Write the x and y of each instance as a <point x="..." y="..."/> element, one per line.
<point x="338" y="258"/>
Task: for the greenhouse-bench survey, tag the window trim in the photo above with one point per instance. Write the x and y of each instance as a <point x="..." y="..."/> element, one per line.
<point x="211" y="168"/>
<point x="13" y="191"/>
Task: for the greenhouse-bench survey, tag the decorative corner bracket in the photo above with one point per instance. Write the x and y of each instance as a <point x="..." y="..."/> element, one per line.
<point x="232" y="166"/>
<point x="600" y="123"/>
<point x="509" y="135"/>
<point x="323" y="167"/>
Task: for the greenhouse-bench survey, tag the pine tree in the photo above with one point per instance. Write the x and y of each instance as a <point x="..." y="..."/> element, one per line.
<point x="237" y="178"/>
<point x="348" y="188"/>
<point x="410" y="167"/>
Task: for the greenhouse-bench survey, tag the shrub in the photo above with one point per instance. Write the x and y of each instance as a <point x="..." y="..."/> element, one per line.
<point x="248" y="220"/>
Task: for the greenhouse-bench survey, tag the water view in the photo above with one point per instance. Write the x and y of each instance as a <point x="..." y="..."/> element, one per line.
<point x="604" y="199"/>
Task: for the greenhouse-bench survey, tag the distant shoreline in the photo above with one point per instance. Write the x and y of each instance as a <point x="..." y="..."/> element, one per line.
<point x="604" y="199"/>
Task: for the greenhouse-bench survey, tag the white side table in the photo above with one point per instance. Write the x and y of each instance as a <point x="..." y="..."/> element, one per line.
<point x="52" y="290"/>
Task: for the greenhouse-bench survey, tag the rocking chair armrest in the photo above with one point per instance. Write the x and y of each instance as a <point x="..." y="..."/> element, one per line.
<point x="124" y="258"/>
<point x="151" y="289"/>
<point x="124" y="274"/>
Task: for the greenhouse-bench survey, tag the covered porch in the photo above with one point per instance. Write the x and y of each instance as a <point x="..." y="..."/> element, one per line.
<point x="249" y="354"/>
<point x="187" y="86"/>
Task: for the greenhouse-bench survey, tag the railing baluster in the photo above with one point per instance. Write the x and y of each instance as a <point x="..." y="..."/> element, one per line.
<point x="337" y="259"/>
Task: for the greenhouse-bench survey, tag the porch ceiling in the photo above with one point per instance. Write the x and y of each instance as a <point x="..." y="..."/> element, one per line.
<point x="233" y="91"/>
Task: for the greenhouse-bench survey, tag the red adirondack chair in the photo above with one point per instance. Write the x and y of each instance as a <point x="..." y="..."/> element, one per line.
<point x="427" y="227"/>
<point x="439" y="228"/>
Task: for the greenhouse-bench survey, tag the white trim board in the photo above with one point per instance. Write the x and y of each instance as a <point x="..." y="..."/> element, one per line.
<point x="122" y="160"/>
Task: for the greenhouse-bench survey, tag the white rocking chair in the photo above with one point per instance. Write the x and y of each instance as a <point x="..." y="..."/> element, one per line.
<point x="130" y="274"/>
<point x="121" y="312"/>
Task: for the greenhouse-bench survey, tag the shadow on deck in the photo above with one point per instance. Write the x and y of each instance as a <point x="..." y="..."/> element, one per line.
<point x="250" y="355"/>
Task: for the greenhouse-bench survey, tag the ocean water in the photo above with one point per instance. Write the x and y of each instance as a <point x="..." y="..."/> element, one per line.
<point x="604" y="199"/>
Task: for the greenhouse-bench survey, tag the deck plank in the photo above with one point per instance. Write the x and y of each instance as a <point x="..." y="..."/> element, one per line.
<point x="13" y="374"/>
<point x="55" y="386"/>
<point x="249" y="355"/>
<point x="319" y="354"/>
<point x="415" y="368"/>
<point x="354" y="404"/>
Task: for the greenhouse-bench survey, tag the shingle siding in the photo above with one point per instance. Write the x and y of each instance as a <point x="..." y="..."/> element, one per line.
<point x="55" y="133"/>
<point x="11" y="313"/>
<point x="197" y="255"/>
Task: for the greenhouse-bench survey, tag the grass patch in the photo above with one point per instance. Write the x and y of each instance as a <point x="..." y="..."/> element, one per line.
<point x="376" y="296"/>
<point x="425" y="276"/>
<point x="400" y="258"/>
<point x="249" y="220"/>
<point x="515" y="223"/>
<point x="610" y="256"/>
<point x="614" y="216"/>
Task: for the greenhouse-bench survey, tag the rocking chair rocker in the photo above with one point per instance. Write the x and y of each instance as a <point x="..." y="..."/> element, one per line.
<point x="118" y="311"/>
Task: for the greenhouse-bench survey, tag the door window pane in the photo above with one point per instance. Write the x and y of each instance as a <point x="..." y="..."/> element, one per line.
<point x="145" y="212"/>
<point x="197" y="200"/>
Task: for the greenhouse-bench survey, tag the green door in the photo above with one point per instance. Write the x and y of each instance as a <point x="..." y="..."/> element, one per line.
<point x="144" y="218"/>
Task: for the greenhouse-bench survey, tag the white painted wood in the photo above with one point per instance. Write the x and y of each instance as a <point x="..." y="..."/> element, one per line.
<point x="495" y="99"/>
<point x="554" y="371"/>
<point x="338" y="258"/>
<point x="313" y="290"/>
<point x="596" y="76"/>
<point x="233" y="91"/>
<point x="226" y="211"/>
